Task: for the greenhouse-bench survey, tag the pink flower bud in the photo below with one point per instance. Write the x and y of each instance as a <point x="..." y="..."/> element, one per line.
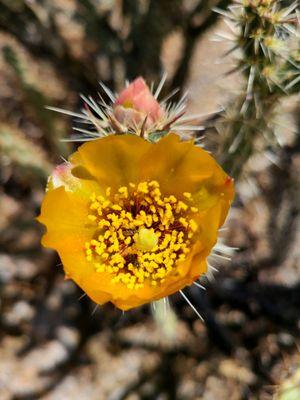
<point x="61" y="176"/>
<point x="135" y="103"/>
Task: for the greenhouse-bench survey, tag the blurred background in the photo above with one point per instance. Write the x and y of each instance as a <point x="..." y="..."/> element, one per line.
<point x="240" y="68"/>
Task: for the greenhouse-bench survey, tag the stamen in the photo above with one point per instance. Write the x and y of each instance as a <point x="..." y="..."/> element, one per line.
<point x="140" y="235"/>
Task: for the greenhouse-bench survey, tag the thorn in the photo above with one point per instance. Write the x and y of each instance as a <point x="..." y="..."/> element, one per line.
<point x="165" y="99"/>
<point x="236" y="69"/>
<point x="108" y="92"/>
<point x="191" y="305"/>
<point x="222" y="12"/>
<point x="220" y="256"/>
<point x="160" y="85"/>
<point x="142" y="133"/>
<point x="82" y="296"/>
<point x="119" y="128"/>
<point x="232" y="49"/>
<point x="200" y="286"/>
<point x="94" y="310"/>
<point x="66" y="112"/>
<point x="176" y="118"/>
<point x="212" y="267"/>
<point x="292" y="83"/>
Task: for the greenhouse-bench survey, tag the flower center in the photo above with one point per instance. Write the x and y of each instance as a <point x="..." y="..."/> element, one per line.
<point x="140" y="235"/>
<point x="146" y="239"/>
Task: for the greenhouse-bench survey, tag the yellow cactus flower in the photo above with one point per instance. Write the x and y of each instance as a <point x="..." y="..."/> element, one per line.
<point x="139" y="219"/>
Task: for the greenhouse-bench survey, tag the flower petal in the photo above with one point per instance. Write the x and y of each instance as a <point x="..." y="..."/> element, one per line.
<point x="65" y="216"/>
<point x="180" y="166"/>
<point x="114" y="160"/>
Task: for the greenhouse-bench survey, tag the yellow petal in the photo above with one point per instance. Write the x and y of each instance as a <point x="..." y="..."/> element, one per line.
<point x="114" y="160"/>
<point x="178" y="166"/>
<point x="65" y="216"/>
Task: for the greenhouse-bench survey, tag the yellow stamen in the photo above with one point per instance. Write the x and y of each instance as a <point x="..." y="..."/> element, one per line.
<point x="141" y="235"/>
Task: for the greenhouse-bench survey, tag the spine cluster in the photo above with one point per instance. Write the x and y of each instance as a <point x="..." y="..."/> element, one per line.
<point x="265" y="35"/>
